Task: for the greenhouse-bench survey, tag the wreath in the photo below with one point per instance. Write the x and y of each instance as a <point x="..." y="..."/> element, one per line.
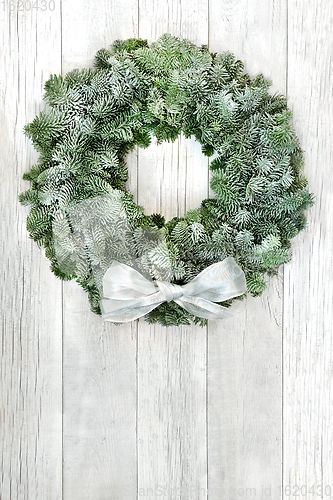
<point x="85" y="219"/>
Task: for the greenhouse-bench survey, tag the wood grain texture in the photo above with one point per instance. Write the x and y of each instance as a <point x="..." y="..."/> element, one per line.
<point x="31" y="346"/>
<point x="100" y="455"/>
<point x="172" y="178"/>
<point x="308" y="290"/>
<point x="89" y="26"/>
<point x="256" y="32"/>
<point x="172" y="446"/>
<point x="244" y="401"/>
<point x="180" y="18"/>
<point x="99" y="404"/>
<point x="245" y="353"/>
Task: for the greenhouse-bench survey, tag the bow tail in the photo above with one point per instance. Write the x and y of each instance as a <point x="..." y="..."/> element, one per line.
<point x="204" y="308"/>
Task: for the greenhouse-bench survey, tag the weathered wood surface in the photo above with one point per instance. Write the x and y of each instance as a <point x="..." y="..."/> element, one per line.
<point x="31" y="300"/>
<point x="100" y="360"/>
<point x="245" y="353"/>
<point x="308" y="283"/>
<point x="172" y="178"/>
<point x="236" y="410"/>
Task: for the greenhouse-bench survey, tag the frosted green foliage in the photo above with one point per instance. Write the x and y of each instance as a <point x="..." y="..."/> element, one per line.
<point x="136" y="91"/>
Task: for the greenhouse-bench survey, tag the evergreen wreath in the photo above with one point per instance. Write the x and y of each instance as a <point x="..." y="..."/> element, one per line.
<point x="136" y="91"/>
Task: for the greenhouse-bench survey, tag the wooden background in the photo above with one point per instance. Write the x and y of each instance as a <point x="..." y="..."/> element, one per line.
<point x="241" y="409"/>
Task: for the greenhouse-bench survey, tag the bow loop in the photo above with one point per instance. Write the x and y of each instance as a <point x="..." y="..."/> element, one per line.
<point x="128" y="295"/>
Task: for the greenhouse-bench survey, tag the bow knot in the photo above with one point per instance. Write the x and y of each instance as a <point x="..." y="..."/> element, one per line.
<point x="127" y="295"/>
<point x="169" y="290"/>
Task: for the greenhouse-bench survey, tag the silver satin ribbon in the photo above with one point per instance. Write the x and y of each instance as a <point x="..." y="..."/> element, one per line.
<point x="127" y="295"/>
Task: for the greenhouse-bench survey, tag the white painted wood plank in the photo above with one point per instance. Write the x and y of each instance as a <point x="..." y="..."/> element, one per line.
<point x="256" y="32"/>
<point x="244" y="401"/>
<point x="30" y="296"/>
<point x="99" y="404"/>
<point x="308" y="291"/>
<point x="87" y="27"/>
<point x="172" y="178"/>
<point x="244" y="353"/>
<point x="184" y="19"/>
<point x="99" y="359"/>
<point x="172" y="413"/>
<point x="165" y="461"/>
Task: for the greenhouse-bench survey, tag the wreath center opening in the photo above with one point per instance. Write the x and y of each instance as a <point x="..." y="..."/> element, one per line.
<point x="170" y="178"/>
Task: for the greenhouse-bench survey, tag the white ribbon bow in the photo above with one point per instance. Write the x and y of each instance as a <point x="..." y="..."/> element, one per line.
<point x="128" y="295"/>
